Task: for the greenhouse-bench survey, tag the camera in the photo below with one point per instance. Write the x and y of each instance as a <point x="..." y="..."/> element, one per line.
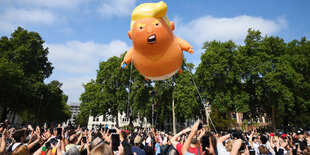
<point x="200" y="126"/>
<point x="51" y="141"/>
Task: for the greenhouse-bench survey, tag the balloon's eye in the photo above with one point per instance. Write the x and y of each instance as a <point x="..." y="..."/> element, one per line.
<point x="157" y="24"/>
<point x="141" y="27"/>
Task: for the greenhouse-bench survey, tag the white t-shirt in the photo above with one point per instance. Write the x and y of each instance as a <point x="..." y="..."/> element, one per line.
<point x="221" y="149"/>
<point x="15" y="145"/>
<point x="255" y="147"/>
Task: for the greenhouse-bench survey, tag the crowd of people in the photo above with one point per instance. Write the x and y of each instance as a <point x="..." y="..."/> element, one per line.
<point x="195" y="140"/>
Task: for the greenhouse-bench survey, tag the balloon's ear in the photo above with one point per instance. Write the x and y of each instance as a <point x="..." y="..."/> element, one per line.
<point x="129" y="34"/>
<point x="172" y="25"/>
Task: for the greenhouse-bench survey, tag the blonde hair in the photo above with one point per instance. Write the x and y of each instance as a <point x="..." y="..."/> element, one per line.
<point x="263" y="150"/>
<point x="150" y="10"/>
<point x="101" y="149"/>
<point x="20" y="150"/>
<point x="229" y="145"/>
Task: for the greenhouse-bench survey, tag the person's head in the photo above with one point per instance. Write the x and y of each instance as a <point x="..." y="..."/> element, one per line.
<point x="263" y="139"/>
<point x="20" y="135"/>
<point x="300" y="134"/>
<point x="263" y="149"/>
<point x="21" y="150"/>
<point x="50" y="132"/>
<point x="137" y="141"/>
<point x="194" y="140"/>
<point x="124" y="134"/>
<point x="213" y="139"/>
<point x="229" y="145"/>
<point x="173" y="152"/>
<point x="73" y="151"/>
<point x="95" y="142"/>
<point x="102" y="148"/>
<point x="73" y="139"/>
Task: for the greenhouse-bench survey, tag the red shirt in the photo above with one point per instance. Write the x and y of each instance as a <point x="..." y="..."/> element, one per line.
<point x="190" y="150"/>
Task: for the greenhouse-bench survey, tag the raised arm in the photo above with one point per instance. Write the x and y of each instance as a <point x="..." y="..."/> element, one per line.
<point x="3" y="142"/>
<point x="127" y="58"/>
<point x="31" y="145"/>
<point x="185" y="46"/>
<point x="190" y="137"/>
<point x="174" y="141"/>
<point x="236" y="145"/>
<point x="223" y="138"/>
<point x="154" y="135"/>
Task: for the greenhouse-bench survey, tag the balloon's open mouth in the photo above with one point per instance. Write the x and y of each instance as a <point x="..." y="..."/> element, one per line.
<point x="151" y="39"/>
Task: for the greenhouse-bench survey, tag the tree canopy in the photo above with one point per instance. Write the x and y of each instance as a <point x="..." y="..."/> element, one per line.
<point x="23" y="67"/>
<point x="264" y="76"/>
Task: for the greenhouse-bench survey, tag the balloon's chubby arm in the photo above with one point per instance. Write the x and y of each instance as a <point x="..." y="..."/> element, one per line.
<point x="127" y="58"/>
<point x="185" y="46"/>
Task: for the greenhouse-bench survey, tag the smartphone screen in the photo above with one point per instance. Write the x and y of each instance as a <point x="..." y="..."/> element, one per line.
<point x="59" y="130"/>
<point x="42" y="131"/>
<point x="58" y="136"/>
<point x="112" y="131"/>
<point x="115" y="142"/>
<point x="84" y="139"/>
<point x="200" y="126"/>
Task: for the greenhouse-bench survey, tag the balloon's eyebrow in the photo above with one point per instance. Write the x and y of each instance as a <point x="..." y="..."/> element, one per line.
<point x="156" y="21"/>
<point x="140" y="24"/>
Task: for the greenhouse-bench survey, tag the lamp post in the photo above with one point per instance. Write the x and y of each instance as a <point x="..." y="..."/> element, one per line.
<point x="153" y="93"/>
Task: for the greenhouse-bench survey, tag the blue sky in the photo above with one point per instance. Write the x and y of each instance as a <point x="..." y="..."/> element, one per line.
<point x="81" y="33"/>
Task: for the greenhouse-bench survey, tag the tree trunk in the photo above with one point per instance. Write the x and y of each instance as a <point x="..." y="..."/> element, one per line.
<point x="117" y="123"/>
<point x="173" y="116"/>
<point x="13" y="118"/>
<point x="4" y="113"/>
<point x="285" y="120"/>
<point x="273" y="117"/>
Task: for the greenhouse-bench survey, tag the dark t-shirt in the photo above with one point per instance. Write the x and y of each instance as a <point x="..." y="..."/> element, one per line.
<point x="137" y="150"/>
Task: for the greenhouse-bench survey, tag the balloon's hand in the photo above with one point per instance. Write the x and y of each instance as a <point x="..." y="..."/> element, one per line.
<point x="191" y="50"/>
<point x="123" y="65"/>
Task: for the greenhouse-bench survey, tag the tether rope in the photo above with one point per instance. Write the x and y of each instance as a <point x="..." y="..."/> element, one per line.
<point x="128" y="100"/>
<point x="202" y="101"/>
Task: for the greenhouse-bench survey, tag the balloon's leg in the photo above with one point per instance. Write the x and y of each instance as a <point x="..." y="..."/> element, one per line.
<point x="146" y="79"/>
<point x="180" y="71"/>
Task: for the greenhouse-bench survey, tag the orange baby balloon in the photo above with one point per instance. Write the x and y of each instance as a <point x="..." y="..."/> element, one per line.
<point x="156" y="52"/>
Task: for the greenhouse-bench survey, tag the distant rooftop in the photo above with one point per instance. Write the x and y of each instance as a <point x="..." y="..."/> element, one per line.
<point x="74" y="104"/>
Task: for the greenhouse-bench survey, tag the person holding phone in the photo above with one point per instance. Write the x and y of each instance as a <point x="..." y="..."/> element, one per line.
<point x="190" y="141"/>
<point x="124" y="142"/>
<point x="137" y="148"/>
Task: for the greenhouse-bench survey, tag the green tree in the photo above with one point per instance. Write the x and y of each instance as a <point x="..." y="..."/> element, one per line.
<point x="108" y="93"/>
<point x="23" y="67"/>
<point x="52" y="106"/>
<point x="187" y="101"/>
<point x="219" y="77"/>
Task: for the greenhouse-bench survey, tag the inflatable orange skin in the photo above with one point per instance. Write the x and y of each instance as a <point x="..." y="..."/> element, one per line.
<point x="157" y="53"/>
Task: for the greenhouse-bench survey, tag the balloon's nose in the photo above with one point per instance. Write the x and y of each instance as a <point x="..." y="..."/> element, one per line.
<point x="149" y="29"/>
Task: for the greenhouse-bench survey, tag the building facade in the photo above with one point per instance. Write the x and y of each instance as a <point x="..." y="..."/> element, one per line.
<point x="110" y="121"/>
<point x="75" y="109"/>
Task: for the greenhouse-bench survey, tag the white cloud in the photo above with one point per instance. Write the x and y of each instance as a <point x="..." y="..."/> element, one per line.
<point x="11" y="18"/>
<point x="83" y="57"/>
<point x="118" y="8"/>
<point x="72" y="86"/>
<point x="76" y="62"/>
<point x="64" y="4"/>
<point x="210" y="28"/>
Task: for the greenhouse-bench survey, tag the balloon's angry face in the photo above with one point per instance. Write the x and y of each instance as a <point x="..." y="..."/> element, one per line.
<point x="151" y="32"/>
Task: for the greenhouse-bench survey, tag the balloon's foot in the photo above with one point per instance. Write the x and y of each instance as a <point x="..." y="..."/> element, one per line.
<point x="180" y="71"/>
<point x="146" y="79"/>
